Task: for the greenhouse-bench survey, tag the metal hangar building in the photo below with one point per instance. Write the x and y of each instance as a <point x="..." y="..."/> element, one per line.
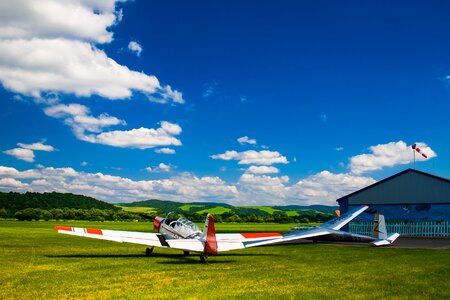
<point x="408" y="196"/>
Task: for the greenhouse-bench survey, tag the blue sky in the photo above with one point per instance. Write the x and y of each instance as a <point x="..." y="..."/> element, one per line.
<point x="293" y="102"/>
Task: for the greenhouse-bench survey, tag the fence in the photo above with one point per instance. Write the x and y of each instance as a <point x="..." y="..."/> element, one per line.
<point x="426" y="229"/>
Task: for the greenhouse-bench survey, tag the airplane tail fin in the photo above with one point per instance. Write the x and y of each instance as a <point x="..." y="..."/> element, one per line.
<point x="209" y="236"/>
<point x="380" y="232"/>
<point x="379" y="227"/>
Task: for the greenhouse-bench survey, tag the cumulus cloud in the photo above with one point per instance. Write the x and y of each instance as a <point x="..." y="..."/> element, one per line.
<point x="26" y="151"/>
<point x="135" y="47"/>
<point x="78" y="117"/>
<point x="37" y="146"/>
<point x="246" y="140"/>
<point x="84" y="125"/>
<point x="263" y="157"/>
<point x="262" y="170"/>
<point x="12" y="184"/>
<point x="165" y="151"/>
<point x="251" y="189"/>
<point x="256" y="189"/>
<point x="35" y="66"/>
<point x="49" y="47"/>
<point x="21" y="153"/>
<point x="113" y="189"/>
<point x="73" y="19"/>
<point x="140" y="138"/>
<point x="167" y="95"/>
<point x="162" y="167"/>
<point x="325" y="187"/>
<point x="387" y="155"/>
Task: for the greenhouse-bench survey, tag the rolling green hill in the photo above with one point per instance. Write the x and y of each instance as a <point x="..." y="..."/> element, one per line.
<point x="17" y="201"/>
<point x="197" y="210"/>
<point x="54" y="205"/>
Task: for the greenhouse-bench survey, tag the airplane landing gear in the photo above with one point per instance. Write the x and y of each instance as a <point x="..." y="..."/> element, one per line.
<point x="149" y="251"/>
<point x="204" y="257"/>
<point x="185" y="253"/>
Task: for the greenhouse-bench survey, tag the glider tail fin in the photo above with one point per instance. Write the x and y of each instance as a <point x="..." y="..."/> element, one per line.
<point x="379" y="227"/>
<point x="209" y="236"/>
<point x="380" y="232"/>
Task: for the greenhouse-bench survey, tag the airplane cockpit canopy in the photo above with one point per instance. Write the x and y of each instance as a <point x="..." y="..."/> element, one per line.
<point x="183" y="226"/>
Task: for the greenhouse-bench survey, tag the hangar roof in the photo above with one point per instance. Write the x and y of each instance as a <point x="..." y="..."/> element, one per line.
<point x="407" y="187"/>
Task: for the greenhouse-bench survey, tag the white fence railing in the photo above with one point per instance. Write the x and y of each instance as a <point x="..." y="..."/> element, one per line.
<point x="428" y="229"/>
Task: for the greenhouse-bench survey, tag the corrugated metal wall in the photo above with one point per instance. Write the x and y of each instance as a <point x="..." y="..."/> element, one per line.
<point x="410" y="187"/>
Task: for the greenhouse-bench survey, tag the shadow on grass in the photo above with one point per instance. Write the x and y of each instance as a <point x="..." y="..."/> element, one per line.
<point x="174" y="258"/>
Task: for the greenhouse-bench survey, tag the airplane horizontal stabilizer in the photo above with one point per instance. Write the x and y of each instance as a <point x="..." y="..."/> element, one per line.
<point x="390" y="239"/>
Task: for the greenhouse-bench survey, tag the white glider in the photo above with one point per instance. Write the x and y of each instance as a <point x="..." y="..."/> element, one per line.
<point x="179" y="234"/>
<point x="330" y="231"/>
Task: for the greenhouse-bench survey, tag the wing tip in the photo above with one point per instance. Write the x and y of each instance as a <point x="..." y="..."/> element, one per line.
<point x="63" y="228"/>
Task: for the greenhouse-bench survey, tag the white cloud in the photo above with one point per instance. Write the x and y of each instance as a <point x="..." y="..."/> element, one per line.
<point x="26" y="151"/>
<point x="167" y="95"/>
<point x="141" y="138"/>
<point x="78" y="117"/>
<point x="32" y="67"/>
<point x="161" y="168"/>
<point x="387" y="155"/>
<point x="339" y="148"/>
<point x="135" y="47"/>
<point x="184" y="187"/>
<point x="37" y="147"/>
<point x="84" y="163"/>
<point x="323" y="118"/>
<point x="263" y="157"/>
<point x="262" y="170"/>
<point x="325" y="187"/>
<point x="165" y="151"/>
<point x="246" y="140"/>
<point x="21" y="153"/>
<point x="321" y="188"/>
<point x="262" y="189"/>
<point x="49" y="47"/>
<point x="72" y="19"/>
<point x="11" y="183"/>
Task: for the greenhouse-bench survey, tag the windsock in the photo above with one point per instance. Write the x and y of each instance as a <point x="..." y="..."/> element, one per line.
<point x="414" y="147"/>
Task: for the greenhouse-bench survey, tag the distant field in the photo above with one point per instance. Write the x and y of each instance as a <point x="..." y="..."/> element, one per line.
<point x="38" y="263"/>
<point x="187" y="207"/>
<point x="137" y="209"/>
<point x="267" y="209"/>
<point x="215" y="210"/>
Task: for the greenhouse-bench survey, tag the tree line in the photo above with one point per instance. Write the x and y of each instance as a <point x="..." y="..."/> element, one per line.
<point x="92" y="214"/>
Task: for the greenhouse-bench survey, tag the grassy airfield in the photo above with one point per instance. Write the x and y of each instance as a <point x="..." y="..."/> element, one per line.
<point x="38" y="263"/>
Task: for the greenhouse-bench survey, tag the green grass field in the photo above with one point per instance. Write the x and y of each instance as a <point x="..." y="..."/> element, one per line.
<point x="38" y="263"/>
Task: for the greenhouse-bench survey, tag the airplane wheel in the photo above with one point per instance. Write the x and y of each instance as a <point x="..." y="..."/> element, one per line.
<point x="186" y="253"/>
<point x="149" y="251"/>
<point x="204" y="257"/>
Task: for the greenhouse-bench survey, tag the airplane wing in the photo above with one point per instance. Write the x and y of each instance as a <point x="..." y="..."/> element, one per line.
<point x="225" y="242"/>
<point x="142" y="238"/>
<point x="322" y="230"/>
<point x="341" y="221"/>
<point x="291" y="237"/>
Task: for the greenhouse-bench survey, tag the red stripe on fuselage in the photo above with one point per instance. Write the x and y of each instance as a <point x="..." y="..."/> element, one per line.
<point x="94" y="231"/>
<point x="260" y="235"/>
